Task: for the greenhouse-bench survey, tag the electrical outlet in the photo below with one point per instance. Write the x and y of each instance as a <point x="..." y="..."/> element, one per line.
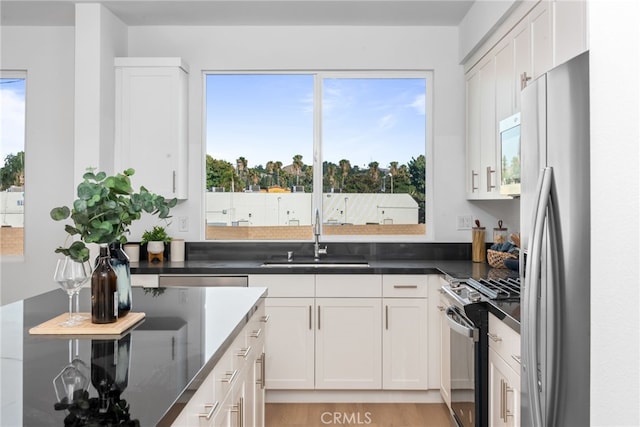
<point x="465" y="222"/>
<point x="183" y="224"/>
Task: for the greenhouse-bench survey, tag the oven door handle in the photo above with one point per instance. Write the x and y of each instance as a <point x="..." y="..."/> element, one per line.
<point x="467" y="331"/>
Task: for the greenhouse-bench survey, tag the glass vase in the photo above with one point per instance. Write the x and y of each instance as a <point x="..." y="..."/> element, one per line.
<point x="120" y="263"/>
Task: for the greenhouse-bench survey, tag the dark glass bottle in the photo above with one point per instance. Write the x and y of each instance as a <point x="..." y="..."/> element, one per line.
<point x="103" y="370"/>
<point x="104" y="290"/>
<point x="120" y="263"/>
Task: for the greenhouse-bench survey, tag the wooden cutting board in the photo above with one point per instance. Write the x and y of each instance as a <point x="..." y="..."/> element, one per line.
<point x="52" y="326"/>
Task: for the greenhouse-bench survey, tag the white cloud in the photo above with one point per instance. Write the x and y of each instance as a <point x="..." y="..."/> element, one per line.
<point x="387" y="122"/>
<point x="419" y="104"/>
<point x="12" y="121"/>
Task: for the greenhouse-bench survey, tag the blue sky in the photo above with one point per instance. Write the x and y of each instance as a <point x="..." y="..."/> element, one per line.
<point x="364" y="120"/>
<point x="12" y="116"/>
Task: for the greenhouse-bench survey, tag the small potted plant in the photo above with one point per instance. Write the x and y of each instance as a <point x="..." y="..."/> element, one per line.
<point x="155" y="240"/>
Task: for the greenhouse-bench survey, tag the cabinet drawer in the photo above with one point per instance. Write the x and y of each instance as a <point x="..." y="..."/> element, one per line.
<point x="504" y="341"/>
<point x="349" y="286"/>
<point x="285" y="286"/>
<point x="404" y="286"/>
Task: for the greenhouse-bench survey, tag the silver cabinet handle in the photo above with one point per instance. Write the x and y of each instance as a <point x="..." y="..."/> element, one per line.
<point x="230" y="377"/>
<point x="386" y="317"/>
<point x="244" y="352"/>
<point x="264" y="319"/>
<point x="405" y="286"/>
<point x="473" y="181"/>
<point x="523" y="80"/>
<point x="212" y="408"/>
<point x="261" y="360"/>
<point x="494" y="337"/>
<point x="318" y="317"/>
<point x="516" y="358"/>
<point x="310" y="317"/>
<point x="489" y="180"/>
<point x="174" y="181"/>
<point x="441" y="307"/>
<point x="256" y="333"/>
<point x="502" y="402"/>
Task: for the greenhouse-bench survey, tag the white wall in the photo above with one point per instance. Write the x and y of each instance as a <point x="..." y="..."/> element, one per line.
<point x="615" y="208"/>
<point x="47" y="53"/>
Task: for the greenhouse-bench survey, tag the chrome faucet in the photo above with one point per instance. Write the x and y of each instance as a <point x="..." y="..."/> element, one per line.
<point x="317" y="250"/>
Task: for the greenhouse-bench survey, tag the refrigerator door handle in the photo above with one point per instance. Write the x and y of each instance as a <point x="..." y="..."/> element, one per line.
<point x="532" y="289"/>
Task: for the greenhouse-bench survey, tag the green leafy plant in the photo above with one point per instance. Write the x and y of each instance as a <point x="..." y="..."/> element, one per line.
<point x="105" y="209"/>
<point x="157" y="234"/>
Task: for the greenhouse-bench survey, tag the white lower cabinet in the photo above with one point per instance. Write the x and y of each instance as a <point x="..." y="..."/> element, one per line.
<point x="291" y="343"/>
<point x="504" y="374"/>
<point x="232" y="395"/>
<point x="348" y="343"/>
<point x="349" y="332"/>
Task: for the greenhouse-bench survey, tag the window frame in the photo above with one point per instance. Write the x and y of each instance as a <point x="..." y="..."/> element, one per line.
<point x="318" y="76"/>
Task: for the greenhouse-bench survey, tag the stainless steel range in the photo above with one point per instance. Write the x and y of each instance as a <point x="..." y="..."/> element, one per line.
<point x="469" y="347"/>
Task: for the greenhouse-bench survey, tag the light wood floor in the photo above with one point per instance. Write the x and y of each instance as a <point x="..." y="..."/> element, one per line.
<point x="356" y="414"/>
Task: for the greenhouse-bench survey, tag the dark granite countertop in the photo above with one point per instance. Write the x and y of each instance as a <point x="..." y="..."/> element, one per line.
<point x="160" y="362"/>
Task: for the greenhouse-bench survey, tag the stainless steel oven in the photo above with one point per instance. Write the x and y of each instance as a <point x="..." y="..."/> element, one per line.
<point x="467" y="317"/>
<point x="468" y="326"/>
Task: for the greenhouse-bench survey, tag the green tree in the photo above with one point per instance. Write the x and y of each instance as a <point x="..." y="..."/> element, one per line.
<point x="417" y="173"/>
<point x="297" y="167"/>
<point x="12" y="173"/>
<point x="345" y="167"/>
<point x="221" y="173"/>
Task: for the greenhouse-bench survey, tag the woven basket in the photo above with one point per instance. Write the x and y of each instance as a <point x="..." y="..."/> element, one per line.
<point x="496" y="258"/>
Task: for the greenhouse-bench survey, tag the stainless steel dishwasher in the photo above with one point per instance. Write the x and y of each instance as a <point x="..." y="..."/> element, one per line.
<point x="202" y="280"/>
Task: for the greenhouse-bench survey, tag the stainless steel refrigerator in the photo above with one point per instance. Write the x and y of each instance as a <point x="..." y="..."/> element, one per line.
<point x="555" y="262"/>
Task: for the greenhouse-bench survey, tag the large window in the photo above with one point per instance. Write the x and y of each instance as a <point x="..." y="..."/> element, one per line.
<point x="267" y="133"/>
<point x="12" y="179"/>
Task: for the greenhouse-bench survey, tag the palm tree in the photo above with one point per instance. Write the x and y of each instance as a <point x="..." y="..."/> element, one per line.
<point x="345" y="167"/>
<point x="393" y="171"/>
<point x="331" y="173"/>
<point x="270" y="166"/>
<point x="374" y="171"/>
<point x="297" y="167"/>
<point x="277" y="167"/>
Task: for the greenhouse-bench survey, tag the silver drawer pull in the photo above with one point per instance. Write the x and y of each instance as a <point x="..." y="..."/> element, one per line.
<point x="230" y="377"/>
<point x="405" y="286"/>
<point x="212" y="408"/>
<point x="244" y="352"/>
<point x="494" y="337"/>
<point x="256" y="333"/>
<point x="516" y="358"/>
<point x="264" y="319"/>
<point x="441" y="307"/>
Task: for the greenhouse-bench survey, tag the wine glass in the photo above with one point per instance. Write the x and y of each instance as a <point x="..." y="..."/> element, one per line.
<point x="72" y="379"/>
<point x="70" y="275"/>
<point x="82" y="275"/>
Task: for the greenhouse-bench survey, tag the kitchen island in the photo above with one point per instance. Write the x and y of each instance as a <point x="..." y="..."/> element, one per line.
<point x="158" y="364"/>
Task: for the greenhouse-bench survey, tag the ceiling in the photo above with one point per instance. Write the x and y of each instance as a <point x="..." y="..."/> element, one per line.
<point x="245" y="12"/>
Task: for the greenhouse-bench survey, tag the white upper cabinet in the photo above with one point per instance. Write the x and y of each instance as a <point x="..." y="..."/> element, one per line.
<point x="151" y="123"/>
<point x="548" y="34"/>
<point x="569" y="30"/>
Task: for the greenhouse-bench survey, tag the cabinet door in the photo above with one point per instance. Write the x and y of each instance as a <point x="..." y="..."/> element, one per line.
<point x="151" y="127"/>
<point x="505" y="75"/>
<point x="541" y="47"/>
<point x="348" y="343"/>
<point x="488" y="134"/>
<point x="405" y="360"/>
<point x="569" y="30"/>
<point x="289" y="342"/>
<point x="504" y="392"/>
<point x="473" y="135"/>
<point x="522" y="59"/>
